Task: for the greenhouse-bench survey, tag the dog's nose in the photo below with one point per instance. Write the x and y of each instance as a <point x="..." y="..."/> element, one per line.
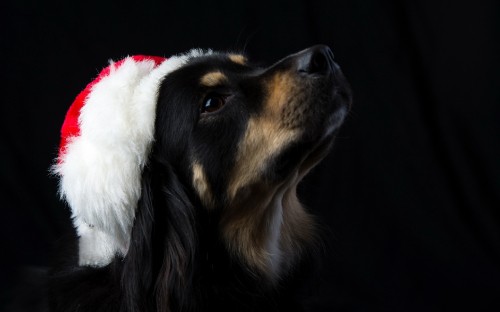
<point x="316" y="60"/>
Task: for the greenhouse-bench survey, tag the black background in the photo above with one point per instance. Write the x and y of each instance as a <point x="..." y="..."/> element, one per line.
<point x="410" y="193"/>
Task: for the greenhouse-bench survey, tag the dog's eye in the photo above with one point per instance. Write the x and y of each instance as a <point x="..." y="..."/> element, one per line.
<point x="212" y="103"/>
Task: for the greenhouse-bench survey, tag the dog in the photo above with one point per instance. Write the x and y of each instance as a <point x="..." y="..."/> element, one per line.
<point x="194" y="207"/>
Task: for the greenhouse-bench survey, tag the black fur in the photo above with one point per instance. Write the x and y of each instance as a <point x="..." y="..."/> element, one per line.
<point x="177" y="260"/>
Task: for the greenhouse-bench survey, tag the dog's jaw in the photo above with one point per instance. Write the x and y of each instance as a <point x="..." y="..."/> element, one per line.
<point x="286" y="134"/>
<point x="267" y="227"/>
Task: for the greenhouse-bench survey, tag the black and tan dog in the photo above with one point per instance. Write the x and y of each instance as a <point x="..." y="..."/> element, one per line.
<point x="217" y="225"/>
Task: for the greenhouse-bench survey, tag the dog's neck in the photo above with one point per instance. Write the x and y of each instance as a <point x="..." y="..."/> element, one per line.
<point x="267" y="227"/>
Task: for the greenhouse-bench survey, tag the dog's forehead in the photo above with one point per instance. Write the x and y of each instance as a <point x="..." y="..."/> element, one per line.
<point x="234" y="58"/>
<point x="228" y="63"/>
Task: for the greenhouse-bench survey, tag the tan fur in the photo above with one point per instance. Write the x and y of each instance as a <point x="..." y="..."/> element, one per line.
<point x="298" y="225"/>
<point x="249" y="226"/>
<point x="238" y="59"/>
<point x="245" y="228"/>
<point x="213" y="79"/>
<point x="265" y="135"/>
<point x="263" y="138"/>
<point x="265" y="224"/>
<point x="201" y="185"/>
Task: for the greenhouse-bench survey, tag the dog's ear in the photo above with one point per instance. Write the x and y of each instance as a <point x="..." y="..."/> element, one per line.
<point x="160" y="259"/>
<point x="106" y="139"/>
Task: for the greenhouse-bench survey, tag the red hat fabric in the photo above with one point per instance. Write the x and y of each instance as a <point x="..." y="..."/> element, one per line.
<point x="105" y="142"/>
<point x="70" y="127"/>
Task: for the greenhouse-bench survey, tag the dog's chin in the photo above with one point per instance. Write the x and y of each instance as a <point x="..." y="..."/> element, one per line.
<point x="324" y="141"/>
<point x="316" y="154"/>
<point x="334" y="122"/>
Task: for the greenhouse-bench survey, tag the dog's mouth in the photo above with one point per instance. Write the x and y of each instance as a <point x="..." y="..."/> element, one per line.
<point x="320" y="113"/>
<point x="306" y="100"/>
<point x="331" y="111"/>
<point x="296" y="162"/>
<point x="310" y="92"/>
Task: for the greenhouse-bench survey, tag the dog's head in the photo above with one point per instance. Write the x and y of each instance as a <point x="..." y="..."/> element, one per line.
<point x="243" y="137"/>
<point x="237" y="137"/>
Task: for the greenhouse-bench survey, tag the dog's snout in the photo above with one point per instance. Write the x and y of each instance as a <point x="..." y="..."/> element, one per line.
<point x="316" y="60"/>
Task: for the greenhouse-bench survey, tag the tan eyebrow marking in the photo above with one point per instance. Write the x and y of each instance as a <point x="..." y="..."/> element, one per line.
<point x="238" y="58"/>
<point x="213" y="79"/>
<point x="201" y="185"/>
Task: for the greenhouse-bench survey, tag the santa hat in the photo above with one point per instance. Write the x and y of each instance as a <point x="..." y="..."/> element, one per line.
<point x="105" y="142"/>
